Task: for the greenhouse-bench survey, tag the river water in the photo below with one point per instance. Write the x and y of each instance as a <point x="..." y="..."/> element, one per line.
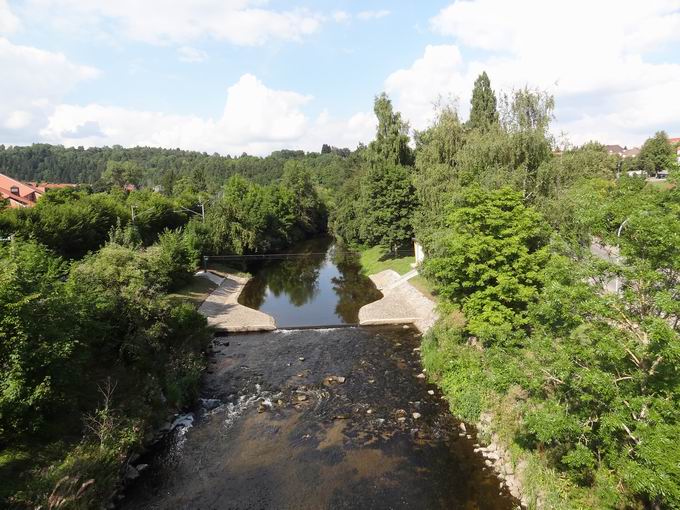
<point x="317" y="418"/>
<point x="320" y="285"/>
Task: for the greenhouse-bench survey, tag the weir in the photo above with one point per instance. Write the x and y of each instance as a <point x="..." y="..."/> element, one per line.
<point x="323" y="414"/>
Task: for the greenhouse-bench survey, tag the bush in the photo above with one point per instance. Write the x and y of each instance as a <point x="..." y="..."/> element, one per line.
<point x="489" y="260"/>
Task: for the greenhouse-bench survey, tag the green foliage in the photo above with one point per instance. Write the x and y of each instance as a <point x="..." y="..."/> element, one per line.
<point x="71" y="224"/>
<point x="437" y="168"/>
<point x="386" y="207"/>
<point x="583" y="381"/>
<point x="249" y="218"/>
<point x="118" y="174"/>
<point x="483" y="113"/>
<point x="511" y="149"/>
<point x="489" y="259"/>
<point x="297" y="180"/>
<point x="177" y="171"/>
<point x="39" y="345"/>
<point x="391" y="139"/>
<point x="377" y="205"/>
<point x="67" y="331"/>
<point x="154" y="213"/>
<point x="173" y="259"/>
<point x="656" y="154"/>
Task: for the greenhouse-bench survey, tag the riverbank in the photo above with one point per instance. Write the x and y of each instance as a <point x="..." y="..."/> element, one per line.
<point x="401" y="303"/>
<point x="225" y="313"/>
<point x="319" y="418"/>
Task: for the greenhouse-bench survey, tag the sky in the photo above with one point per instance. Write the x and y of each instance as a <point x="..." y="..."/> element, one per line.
<point x="234" y="76"/>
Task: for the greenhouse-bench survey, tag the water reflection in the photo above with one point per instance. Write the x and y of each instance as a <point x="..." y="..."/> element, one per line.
<point x="321" y="285"/>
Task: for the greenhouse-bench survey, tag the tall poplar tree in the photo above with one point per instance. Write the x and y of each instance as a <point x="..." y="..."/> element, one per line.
<point x="483" y="113"/>
<point x="391" y="139"/>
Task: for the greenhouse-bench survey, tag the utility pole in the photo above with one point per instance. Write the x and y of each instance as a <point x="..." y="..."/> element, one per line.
<point x="132" y="208"/>
<point x="202" y="212"/>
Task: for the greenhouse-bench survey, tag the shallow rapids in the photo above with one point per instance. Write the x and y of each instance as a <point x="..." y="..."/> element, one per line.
<point x="314" y="419"/>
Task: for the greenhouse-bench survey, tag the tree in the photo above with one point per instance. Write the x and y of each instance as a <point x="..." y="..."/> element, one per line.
<point x="436" y="174"/>
<point x="298" y="180"/>
<point x="386" y="206"/>
<point x="39" y="342"/>
<point x="120" y="173"/>
<point x="656" y="154"/>
<point x="483" y="111"/>
<point x="391" y="140"/>
<point x="526" y="117"/>
<point x="325" y="149"/>
<point x="488" y="260"/>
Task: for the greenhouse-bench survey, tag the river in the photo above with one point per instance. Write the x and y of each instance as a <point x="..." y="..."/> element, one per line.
<point x="316" y="418"/>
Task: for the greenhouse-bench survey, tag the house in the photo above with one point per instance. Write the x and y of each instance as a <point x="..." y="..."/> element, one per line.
<point x="615" y="150"/>
<point x="623" y="152"/>
<point x="44" y="186"/>
<point x="24" y="194"/>
<point x="18" y="193"/>
<point x="675" y="142"/>
<point x="630" y="153"/>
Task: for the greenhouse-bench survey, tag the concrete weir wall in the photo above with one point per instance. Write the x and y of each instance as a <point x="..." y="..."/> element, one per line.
<point x="402" y="303"/>
<point x="224" y="312"/>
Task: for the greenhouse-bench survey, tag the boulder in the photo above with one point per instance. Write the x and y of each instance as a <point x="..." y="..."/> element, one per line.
<point x="131" y="473"/>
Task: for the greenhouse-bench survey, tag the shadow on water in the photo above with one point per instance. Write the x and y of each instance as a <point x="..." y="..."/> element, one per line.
<point x="318" y="419"/>
<point x="320" y="285"/>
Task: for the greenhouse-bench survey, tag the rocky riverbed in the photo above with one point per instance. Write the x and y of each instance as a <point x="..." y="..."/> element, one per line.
<point x="330" y="418"/>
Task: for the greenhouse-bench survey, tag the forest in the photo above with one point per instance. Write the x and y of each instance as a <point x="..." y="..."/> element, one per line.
<point x="582" y="382"/>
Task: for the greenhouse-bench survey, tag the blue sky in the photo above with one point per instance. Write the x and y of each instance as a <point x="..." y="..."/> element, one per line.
<point x="256" y="75"/>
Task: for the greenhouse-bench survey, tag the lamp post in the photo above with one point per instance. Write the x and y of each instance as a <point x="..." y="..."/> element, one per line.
<point x="618" y="251"/>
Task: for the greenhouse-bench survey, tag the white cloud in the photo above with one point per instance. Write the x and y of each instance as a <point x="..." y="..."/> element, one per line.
<point x="241" y="22"/>
<point x="369" y="15"/>
<point x="33" y="81"/>
<point x="341" y="16"/>
<point x="594" y="56"/>
<point x="18" y="119"/>
<point x="439" y="72"/>
<point x="189" y="54"/>
<point x="9" y="23"/>
<point x="256" y="120"/>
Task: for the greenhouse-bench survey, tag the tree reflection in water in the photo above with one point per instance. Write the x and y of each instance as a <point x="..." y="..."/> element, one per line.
<point x="353" y="288"/>
<point x="321" y="285"/>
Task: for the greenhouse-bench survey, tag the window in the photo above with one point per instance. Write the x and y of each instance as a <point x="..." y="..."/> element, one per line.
<point x="15" y="190"/>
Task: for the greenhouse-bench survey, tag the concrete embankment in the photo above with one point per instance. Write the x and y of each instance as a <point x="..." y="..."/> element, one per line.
<point x="224" y="312"/>
<point x="402" y="303"/>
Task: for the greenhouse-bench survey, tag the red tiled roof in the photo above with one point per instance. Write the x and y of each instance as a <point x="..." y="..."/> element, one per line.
<point x="5" y="193"/>
<point x="24" y="189"/>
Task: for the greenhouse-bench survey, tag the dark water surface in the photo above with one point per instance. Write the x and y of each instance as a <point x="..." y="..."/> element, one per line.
<point x="317" y="418"/>
<point x="320" y="285"/>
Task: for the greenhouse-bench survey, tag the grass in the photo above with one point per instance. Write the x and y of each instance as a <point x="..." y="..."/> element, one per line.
<point x="195" y="292"/>
<point x="14" y="461"/>
<point x="376" y="259"/>
<point x="224" y="269"/>
<point x="424" y="286"/>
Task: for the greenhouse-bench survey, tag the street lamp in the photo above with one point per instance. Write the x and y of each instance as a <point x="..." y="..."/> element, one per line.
<point x="618" y="251"/>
